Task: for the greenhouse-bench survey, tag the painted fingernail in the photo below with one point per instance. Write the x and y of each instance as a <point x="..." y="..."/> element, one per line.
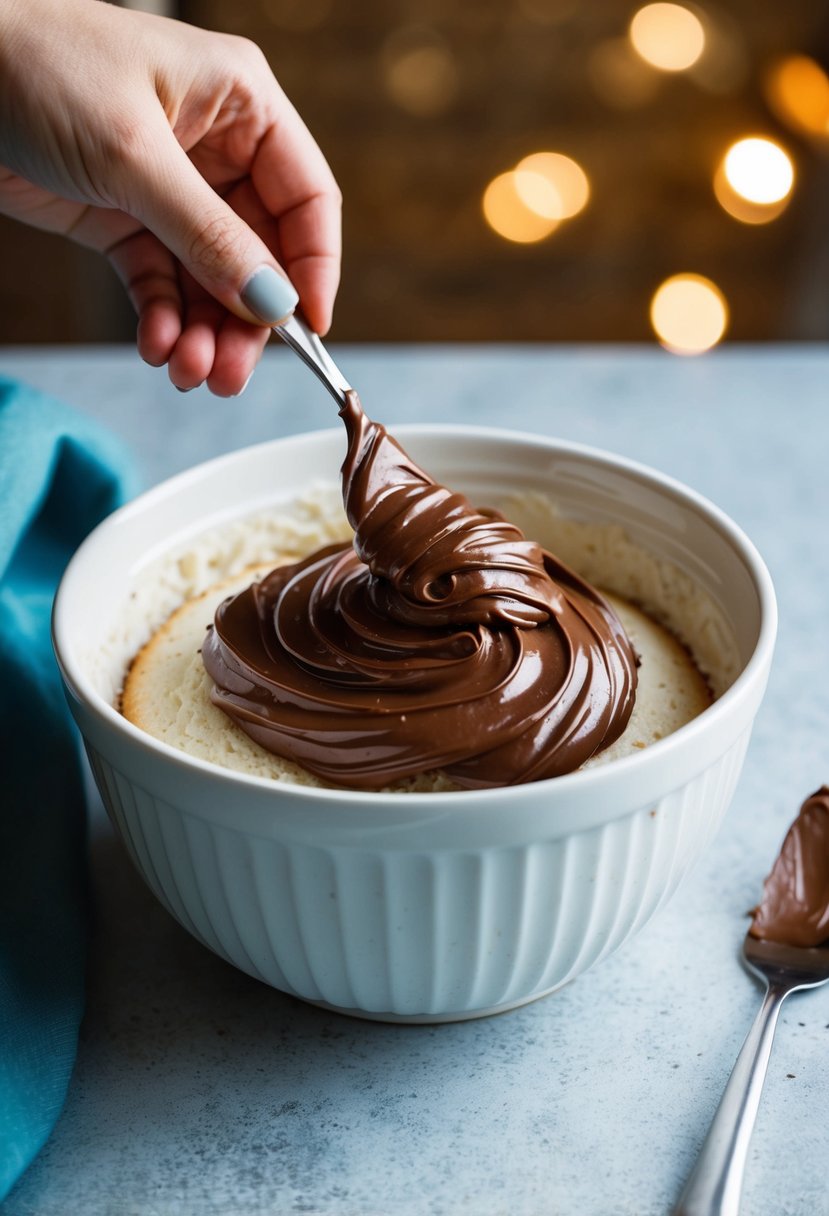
<point x="270" y="296"/>
<point x="244" y="386"/>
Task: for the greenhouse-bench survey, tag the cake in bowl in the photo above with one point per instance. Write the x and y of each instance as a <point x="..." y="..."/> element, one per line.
<point x="168" y="692"/>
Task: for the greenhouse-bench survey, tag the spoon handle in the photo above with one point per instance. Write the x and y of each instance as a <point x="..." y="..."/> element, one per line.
<point x="715" y="1184"/>
<point x="305" y="343"/>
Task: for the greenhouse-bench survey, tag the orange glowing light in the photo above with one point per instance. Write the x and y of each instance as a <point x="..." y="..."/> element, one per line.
<point x="689" y="314"/>
<point x="759" y="170"/>
<point x="741" y="208"/>
<point x="507" y="213"/>
<point x="552" y="185"/>
<point x="667" y="36"/>
<point x="798" y="91"/>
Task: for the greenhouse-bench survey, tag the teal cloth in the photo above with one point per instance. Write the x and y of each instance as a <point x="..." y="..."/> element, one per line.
<point x="60" y="474"/>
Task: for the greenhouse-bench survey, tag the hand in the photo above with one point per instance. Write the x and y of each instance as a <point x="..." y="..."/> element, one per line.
<point x="173" y="151"/>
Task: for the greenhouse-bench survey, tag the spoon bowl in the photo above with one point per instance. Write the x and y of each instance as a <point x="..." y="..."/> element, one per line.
<point x="788" y="967"/>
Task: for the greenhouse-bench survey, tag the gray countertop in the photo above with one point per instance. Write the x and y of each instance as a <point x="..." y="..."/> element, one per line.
<point x="199" y="1091"/>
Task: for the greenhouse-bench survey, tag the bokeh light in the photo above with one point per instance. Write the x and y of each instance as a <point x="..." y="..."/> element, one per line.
<point x="759" y="170"/>
<point x="507" y="213"/>
<point x="538" y="194"/>
<point x="667" y="36"/>
<point x="552" y="185"/>
<point x="689" y="314"/>
<point x="741" y="208"/>
<point x="797" y="89"/>
<point x="420" y="71"/>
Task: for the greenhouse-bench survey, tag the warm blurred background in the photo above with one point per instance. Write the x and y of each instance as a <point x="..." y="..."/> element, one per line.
<point x="532" y="170"/>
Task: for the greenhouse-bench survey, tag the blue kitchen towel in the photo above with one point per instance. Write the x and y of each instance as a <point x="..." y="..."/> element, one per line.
<point x="60" y="474"/>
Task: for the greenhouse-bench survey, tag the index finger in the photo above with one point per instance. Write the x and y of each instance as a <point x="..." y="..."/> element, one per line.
<point x="296" y="185"/>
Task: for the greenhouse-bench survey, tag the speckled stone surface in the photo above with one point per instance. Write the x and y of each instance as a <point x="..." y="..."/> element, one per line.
<point x="199" y="1091"/>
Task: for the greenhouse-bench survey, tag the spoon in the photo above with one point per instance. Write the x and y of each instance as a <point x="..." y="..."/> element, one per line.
<point x="305" y="343"/>
<point x="714" y="1186"/>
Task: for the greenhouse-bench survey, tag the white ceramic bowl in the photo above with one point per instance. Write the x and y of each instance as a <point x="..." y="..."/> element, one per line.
<point x="420" y="907"/>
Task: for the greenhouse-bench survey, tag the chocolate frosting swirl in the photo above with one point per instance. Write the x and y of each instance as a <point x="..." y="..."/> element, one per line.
<point x="441" y="639"/>
<point x="794" y="909"/>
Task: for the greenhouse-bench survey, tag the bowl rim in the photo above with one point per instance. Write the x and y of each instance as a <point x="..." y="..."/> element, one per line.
<point x="583" y="780"/>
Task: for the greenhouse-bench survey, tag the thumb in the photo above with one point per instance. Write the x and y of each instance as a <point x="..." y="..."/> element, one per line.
<point x="212" y="242"/>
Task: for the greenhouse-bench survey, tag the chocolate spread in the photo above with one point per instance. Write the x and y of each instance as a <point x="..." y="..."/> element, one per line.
<point x="440" y="639"/>
<point x="795" y="904"/>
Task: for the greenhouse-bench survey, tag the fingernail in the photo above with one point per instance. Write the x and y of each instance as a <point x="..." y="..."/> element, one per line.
<point x="270" y="296"/>
<point x="183" y="390"/>
<point x="244" y="386"/>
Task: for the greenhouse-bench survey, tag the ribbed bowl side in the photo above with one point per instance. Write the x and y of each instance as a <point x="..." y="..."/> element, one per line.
<point x="614" y="878"/>
<point x="205" y="877"/>
<point x="418" y="934"/>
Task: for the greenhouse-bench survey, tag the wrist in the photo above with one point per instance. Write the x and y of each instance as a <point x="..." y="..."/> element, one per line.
<point x="44" y="68"/>
<point x="26" y="25"/>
